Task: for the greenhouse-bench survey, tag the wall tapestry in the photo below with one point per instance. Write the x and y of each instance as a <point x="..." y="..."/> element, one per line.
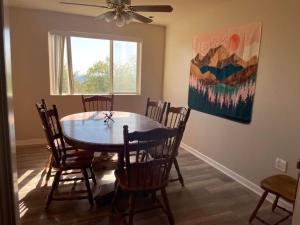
<point x="223" y="72"/>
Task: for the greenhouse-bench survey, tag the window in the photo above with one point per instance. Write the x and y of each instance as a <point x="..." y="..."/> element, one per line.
<point x="93" y="65"/>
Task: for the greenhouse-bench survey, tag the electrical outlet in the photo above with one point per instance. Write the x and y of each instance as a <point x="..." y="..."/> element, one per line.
<point x="281" y="164"/>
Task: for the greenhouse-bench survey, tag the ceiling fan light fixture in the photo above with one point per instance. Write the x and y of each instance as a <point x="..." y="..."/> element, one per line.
<point x="128" y="17"/>
<point x="110" y="16"/>
<point x="120" y="20"/>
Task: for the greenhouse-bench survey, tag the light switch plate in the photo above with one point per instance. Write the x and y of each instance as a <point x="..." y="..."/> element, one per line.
<point x="281" y="164"/>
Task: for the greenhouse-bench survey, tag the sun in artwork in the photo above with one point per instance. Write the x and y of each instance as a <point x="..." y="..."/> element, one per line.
<point x="234" y="42"/>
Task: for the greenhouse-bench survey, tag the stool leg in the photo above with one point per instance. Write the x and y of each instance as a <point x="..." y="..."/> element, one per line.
<point x="261" y="201"/>
<point x="275" y="203"/>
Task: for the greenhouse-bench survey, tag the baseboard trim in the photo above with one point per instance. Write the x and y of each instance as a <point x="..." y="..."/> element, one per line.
<point x="235" y="176"/>
<point x="30" y="142"/>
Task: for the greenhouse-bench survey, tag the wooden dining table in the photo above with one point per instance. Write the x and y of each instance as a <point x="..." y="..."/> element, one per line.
<point x="87" y="130"/>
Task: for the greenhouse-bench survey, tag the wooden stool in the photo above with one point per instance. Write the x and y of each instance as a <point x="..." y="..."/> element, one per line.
<point x="282" y="186"/>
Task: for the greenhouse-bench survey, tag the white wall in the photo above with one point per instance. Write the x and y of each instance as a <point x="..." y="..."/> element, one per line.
<point x="30" y="64"/>
<point x="250" y="150"/>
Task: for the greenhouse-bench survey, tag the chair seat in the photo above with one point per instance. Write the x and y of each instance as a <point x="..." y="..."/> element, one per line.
<point x="80" y="154"/>
<point x="145" y="184"/>
<point x="73" y="164"/>
<point x="282" y="185"/>
<point x="73" y="152"/>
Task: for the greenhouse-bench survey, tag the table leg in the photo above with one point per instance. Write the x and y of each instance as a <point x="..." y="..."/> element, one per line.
<point x="106" y="199"/>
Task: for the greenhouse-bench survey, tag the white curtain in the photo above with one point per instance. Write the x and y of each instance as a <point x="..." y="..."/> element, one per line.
<point x="57" y="62"/>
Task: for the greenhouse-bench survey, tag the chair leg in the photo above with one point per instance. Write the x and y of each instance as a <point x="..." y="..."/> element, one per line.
<point x="115" y="197"/>
<point x="153" y="196"/>
<point x="48" y="162"/>
<point x="131" y="208"/>
<point x="49" y="166"/>
<point x="167" y="206"/>
<point x="54" y="186"/>
<point x="275" y="203"/>
<point x="261" y="201"/>
<point x="178" y="172"/>
<point x="87" y="184"/>
<point x="93" y="175"/>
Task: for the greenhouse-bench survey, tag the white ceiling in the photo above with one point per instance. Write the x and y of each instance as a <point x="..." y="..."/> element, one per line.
<point x="54" y="5"/>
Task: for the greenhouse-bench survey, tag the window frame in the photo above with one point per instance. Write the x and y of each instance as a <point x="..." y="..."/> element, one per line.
<point x="109" y="37"/>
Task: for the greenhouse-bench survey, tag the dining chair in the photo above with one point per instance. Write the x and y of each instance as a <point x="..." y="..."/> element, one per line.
<point x="97" y="103"/>
<point x="282" y="186"/>
<point x="58" y="138"/>
<point x="150" y="174"/>
<point x="48" y="165"/>
<point x="155" y="110"/>
<point x="62" y="162"/>
<point x="174" y="115"/>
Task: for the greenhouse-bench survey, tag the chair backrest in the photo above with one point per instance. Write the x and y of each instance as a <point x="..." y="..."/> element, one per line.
<point x="53" y="131"/>
<point x="97" y="103"/>
<point x="176" y="114"/>
<point x="149" y="156"/>
<point x="155" y="110"/>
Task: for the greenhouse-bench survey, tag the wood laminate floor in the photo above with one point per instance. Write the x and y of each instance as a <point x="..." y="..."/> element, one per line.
<point x="209" y="197"/>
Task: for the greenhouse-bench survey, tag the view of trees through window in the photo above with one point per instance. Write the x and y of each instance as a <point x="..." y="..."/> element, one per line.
<point x="124" y="66"/>
<point x="95" y="72"/>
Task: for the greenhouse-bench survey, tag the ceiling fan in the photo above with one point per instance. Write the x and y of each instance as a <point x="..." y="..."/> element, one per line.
<point x="123" y="12"/>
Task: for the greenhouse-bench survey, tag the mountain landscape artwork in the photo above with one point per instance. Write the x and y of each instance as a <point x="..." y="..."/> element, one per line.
<point x="223" y="72"/>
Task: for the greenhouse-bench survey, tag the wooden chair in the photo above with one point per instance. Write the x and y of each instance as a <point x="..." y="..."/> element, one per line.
<point x="48" y="165"/>
<point x="174" y="116"/>
<point x="155" y="110"/>
<point x="282" y="186"/>
<point x="149" y="174"/>
<point x="58" y="138"/>
<point x="97" y="103"/>
<point x="62" y="162"/>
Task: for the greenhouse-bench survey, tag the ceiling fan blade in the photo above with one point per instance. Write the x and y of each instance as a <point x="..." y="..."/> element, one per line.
<point x="81" y="4"/>
<point x="107" y="15"/>
<point x="140" y="18"/>
<point x="152" y="8"/>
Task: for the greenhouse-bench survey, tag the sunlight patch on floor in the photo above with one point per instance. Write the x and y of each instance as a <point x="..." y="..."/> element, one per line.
<point x="108" y="177"/>
<point x="22" y="208"/>
<point x="24" y="176"/>
<point x="32" y="184"/>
